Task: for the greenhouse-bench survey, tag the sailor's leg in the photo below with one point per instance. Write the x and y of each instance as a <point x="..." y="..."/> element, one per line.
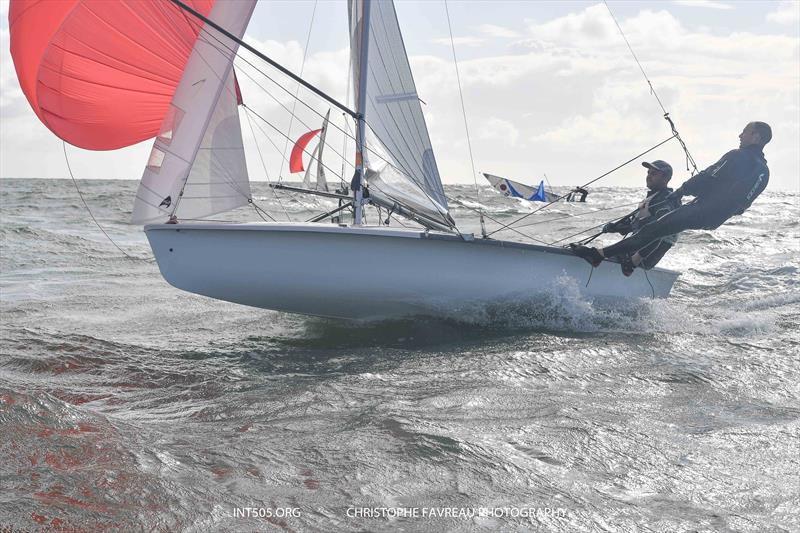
<point x="652" y="253"/>
<point x="685" y="217"/>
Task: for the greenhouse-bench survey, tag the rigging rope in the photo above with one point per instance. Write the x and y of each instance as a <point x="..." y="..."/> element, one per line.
<point x="689" y="158"/>
<point x="578" y="215"/>
<point x="580" y="232"/>
<point x="675" y="135"/>
<point x="296" y="98"/>
<point x="603" y="223"/>
<point x="464" y="114"/>
<point x="277" y="129"/>
<point x="551" y="202"/>
<point x="263" y="164"/>
<point x="88" y="210"/>
<point x="434" y="204"/>
<point x="297" y="92"/>
<point x="515" y="230"/>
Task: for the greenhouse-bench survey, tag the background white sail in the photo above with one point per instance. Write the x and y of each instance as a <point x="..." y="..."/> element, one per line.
<point x="199" y="152"/>
<point x="399" y="155"/>
<point x="316" y="155"/>
<point x="322" y="182"/>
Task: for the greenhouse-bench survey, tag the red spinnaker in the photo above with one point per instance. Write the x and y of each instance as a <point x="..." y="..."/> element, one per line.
<point x="296" y="159"/>
<point x="101" y="74"/>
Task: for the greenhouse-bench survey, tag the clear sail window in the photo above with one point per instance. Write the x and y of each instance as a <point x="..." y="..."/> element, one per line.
<point x="155" y="160"/>
<point x="170" y="123"/>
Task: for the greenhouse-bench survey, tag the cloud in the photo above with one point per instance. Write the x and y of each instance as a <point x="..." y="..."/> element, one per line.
<point x="577" y="101"/>
<point x="498" y="129"/>
<point x="786" y="13"/>
<point x="710" y="4"/>
<point x="10" y="92"/>
<point x="501" y="32"/>
<point x="460" y="41"/>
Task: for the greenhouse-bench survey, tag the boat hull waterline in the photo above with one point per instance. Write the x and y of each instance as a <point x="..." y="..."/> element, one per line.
<point x="375" y="272"/>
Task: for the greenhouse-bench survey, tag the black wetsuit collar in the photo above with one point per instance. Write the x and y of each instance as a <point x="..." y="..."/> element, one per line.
<point x="759" y="151"/>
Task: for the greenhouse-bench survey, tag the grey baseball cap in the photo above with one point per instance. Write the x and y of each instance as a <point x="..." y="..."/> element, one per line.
<point x="661" y="166"/>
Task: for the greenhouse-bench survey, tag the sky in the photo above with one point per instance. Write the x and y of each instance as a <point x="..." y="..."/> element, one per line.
<point x="549" y="88"/>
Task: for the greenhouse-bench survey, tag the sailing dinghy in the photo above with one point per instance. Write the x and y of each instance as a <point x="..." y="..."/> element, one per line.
<point x="514" y="189"/>
<point x="197" y="168"/>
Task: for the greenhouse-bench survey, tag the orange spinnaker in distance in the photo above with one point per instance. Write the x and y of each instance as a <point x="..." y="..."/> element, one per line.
<point x="296" y="158"/>
<point x="101" y="74"/>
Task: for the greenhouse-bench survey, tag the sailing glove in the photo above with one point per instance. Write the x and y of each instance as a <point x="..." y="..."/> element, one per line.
<point x="611" y="227"/>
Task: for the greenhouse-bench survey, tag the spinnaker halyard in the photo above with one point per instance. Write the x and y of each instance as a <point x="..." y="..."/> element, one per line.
<point x="197" y="168"/>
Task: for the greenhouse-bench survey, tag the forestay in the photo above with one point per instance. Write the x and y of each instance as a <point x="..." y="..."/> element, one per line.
<point x="399" y="158"/>
<point x="197" y="165"/>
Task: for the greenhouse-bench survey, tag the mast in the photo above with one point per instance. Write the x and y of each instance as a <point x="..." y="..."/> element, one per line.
<point x="361" y="104"/>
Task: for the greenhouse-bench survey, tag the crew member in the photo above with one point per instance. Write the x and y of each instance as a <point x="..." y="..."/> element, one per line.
<point x="654" y="206"/>
<point x="577" y="191"/>
<point x="723" y="190"/>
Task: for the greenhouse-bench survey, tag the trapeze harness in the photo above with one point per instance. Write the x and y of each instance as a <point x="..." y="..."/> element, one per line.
<point x="651" y="209"/>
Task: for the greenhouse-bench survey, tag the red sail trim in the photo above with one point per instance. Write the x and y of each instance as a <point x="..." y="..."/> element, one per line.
<point x="239" y="99"/>
<point x="296" y="159"/>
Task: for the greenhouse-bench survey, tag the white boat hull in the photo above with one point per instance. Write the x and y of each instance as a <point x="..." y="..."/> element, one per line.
<point x="374" y="272"/>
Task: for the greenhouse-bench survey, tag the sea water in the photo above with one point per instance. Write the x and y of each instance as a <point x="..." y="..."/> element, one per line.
<point x="128" y="405"/>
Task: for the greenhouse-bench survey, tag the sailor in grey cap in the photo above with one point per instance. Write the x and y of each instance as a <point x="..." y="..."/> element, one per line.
<point x="652" y="207"/>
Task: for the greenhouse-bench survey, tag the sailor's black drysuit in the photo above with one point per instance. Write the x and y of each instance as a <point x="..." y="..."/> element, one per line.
<point x="726" y="188"/>
<point x="654" y="206"/>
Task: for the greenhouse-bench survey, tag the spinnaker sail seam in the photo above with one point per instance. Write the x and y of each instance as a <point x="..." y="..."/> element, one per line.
<point x="143" y="48"/>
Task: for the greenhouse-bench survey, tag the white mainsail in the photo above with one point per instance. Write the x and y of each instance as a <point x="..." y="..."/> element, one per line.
<point x="399" y="158"/>
<point x="197" y="163"/>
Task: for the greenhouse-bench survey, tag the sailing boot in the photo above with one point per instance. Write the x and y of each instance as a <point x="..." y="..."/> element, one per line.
<point x="627" y="266"/>
<point x="590" y="255"/>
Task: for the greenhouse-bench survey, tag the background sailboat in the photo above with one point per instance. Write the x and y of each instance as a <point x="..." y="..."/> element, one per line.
<point x="296" y="158"/>
<point x="514" y="189"/>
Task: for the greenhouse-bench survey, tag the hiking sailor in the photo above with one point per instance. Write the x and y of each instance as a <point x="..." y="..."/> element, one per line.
<point x="654" y="206"/>
<point x="723" y="190"/>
